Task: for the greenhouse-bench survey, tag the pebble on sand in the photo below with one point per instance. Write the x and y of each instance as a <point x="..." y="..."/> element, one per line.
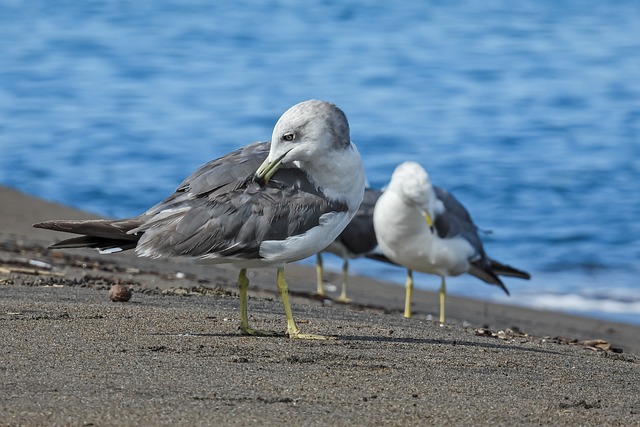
<point x="119" y="293"/>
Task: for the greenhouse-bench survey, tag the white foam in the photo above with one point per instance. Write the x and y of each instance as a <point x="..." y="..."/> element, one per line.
<point x="583" y="303"/>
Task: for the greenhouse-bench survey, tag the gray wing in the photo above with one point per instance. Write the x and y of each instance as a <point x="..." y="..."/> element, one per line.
<point x="456" y="221"/>
<point x="234" y="223"/>
<point x="218" y="210"/>
<point x="215" y="177"/>
<point x="218" y="176"/>
<point x="359" y="237"/>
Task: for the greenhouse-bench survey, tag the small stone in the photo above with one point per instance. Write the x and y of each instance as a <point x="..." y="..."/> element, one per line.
<point x="483" y="332"/>
<point x="119" y="293"/>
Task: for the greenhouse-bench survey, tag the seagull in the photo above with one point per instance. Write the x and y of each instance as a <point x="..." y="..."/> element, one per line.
<point x="262" y="205"/>
<point x="357" y="240"/>
<point x="424" y="228"/>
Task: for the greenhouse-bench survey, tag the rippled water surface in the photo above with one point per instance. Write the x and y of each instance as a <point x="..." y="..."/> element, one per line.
<point x="529" y="113"/>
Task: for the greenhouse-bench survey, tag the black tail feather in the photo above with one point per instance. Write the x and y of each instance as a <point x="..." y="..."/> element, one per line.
<point x="487" y="275"/>
<point x="507" y="270"/>
<point x="100" y="234"/>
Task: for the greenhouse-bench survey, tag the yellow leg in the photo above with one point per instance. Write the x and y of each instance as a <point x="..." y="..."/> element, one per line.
<point x="292" y="329"/>
<point x="409" y="294"/>
<point x="319" y="288"/>
<point x="243" y="284"/>
<point x="443" y="294"/>
<point x="345" y="280"/>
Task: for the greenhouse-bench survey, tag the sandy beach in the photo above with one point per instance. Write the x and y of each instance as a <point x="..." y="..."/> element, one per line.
<point x="172" y="355"/>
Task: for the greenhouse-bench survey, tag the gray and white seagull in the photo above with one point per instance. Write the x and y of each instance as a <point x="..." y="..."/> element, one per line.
<point x="261" y="205"/>
<point x="424" y="228"/>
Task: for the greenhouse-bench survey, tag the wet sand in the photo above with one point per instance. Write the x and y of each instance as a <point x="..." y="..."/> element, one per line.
<point x="172" y="355"/>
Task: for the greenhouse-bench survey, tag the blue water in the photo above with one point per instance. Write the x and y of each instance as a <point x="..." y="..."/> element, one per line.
<point x="528" y="111"/>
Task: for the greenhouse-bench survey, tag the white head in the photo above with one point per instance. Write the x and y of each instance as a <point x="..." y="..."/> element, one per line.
<point x="411" y="182"/>
<point x="307" y="129"/>
<point x="305" y="134"/>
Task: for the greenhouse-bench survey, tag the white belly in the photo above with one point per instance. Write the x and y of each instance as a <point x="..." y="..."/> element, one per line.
<point x="405" y="238"/>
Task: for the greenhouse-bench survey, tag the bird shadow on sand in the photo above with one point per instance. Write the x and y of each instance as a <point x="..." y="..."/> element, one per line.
<point x="373" y="339"/>
<point x="445" y="342"/>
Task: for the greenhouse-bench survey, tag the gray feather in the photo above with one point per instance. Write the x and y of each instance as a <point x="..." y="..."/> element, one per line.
<point x="456" y="222"/>
<point x="218" y="210"/>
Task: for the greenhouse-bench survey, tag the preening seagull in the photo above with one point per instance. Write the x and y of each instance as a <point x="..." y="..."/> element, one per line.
<point x="357" y="240"/>
<point x="424" y="228"/>
<point x="261" y="205"/>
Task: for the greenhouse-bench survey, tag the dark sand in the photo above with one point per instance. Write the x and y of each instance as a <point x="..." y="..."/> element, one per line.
<point x="173" y="355"/>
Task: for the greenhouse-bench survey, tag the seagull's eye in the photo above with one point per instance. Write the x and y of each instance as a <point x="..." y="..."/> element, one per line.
<point x="289" y="136"/>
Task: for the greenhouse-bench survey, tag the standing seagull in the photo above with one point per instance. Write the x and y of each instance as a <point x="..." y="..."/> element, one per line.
<point x="357" y="240"/>
<point x="424" y="228"/>
<point x="236" y="210"/>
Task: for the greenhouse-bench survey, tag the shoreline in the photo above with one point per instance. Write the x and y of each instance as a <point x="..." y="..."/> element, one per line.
<point x="366" y="293"/>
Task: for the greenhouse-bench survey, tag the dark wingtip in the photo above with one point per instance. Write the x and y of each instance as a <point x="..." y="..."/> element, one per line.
<point x="507" y="270"/>
<point x="499" y="282"/>
<point x="504" y="288"/>
<point x="55" y="246"/>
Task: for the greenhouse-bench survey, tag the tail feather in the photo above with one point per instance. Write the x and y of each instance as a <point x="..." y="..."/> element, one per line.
<point x="507" y="270"/>
<point x="105" y="235"/>
<point x="487" y="275"/>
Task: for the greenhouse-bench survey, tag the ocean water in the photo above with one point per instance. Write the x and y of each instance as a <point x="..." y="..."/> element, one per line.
<point x="528" y="112"/>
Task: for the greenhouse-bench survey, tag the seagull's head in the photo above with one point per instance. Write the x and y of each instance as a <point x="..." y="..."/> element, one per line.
<point x="303" y="133"/>
<point x="412" y="184"/>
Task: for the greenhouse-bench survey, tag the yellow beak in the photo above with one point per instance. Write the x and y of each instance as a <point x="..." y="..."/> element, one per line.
<point x="427" y="218"/>
<point x="267" y="169"/>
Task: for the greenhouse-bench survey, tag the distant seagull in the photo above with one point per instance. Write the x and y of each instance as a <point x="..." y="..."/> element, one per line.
<point x="236" y="210"/>
<point x="357" y="240"/>
<point x="424" y="228"/>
